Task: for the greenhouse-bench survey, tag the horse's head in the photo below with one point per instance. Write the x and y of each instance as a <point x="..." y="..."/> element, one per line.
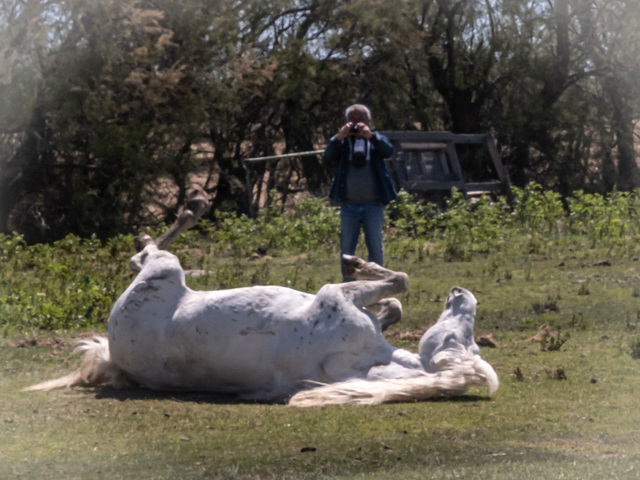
<point x="461" y="301"/>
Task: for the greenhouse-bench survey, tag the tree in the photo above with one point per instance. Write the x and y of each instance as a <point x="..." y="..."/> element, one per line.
<point x="100" y="128"/>
<point x="615" y="50"/>
<point x="462" y="46"/>
<point x="110" y="111"/>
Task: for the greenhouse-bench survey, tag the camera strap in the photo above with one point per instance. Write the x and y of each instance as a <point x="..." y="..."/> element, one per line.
<point x="359" y="146"/>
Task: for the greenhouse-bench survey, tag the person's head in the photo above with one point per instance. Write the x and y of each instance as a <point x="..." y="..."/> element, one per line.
<point x="358" y="113"/>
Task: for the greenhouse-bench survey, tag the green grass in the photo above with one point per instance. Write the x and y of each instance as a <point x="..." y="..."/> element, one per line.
<point x="537" y="425"/>
<point x="568" y="412"/>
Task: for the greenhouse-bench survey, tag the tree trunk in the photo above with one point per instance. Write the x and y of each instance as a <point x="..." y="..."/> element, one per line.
<point x="628" y="172"/>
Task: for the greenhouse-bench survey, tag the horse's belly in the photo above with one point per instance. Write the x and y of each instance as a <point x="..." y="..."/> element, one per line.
<point x="222" y="356"/>
<point x="216" y="343"/>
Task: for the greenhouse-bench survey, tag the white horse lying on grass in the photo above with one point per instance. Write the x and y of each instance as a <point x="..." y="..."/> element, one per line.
<point x="274" y="343"/>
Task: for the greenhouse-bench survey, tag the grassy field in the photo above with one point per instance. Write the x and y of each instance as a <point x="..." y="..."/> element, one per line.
<point x="567" y="406"/>
<point x="558" y="288"/>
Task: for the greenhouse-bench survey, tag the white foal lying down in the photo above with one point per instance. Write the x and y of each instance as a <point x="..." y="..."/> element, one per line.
<point x="272" y="343"/>
<point x="447" y="363"/>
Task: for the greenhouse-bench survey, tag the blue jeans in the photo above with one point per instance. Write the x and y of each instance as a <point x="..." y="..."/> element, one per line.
<point x="353" y="216"/>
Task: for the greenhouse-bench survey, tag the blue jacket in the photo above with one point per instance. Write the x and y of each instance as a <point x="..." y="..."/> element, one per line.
<point x="337" y="154"/>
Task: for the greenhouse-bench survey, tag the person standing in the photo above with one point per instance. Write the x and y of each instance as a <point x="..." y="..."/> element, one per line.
<point x="362" y="184"/>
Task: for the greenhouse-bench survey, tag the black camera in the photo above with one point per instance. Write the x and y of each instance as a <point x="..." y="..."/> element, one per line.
<point x="354" y="128"/>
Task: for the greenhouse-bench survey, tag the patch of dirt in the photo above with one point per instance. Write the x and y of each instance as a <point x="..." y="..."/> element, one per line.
<point x="54" y="343"/>
<point x="487" y="340"/>
<point x="414" y="334"/>
<point x="49" y="342"/>
<point x="543" y="335"/>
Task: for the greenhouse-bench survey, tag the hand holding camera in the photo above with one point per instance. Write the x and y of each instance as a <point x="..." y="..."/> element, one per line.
<point x="357" y="130"/>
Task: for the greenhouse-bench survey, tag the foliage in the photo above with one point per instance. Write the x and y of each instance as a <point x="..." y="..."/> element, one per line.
<point x="72" y="283"/>
<point x="53" y="287"/>
<point x="110" y="111"/>
<point x="309" y="226"/>
<point x="605" y="220"/>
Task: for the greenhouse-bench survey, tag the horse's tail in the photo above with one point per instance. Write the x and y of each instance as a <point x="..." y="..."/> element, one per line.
<point x="453" y="380"/>
<point x="96" y="368"/>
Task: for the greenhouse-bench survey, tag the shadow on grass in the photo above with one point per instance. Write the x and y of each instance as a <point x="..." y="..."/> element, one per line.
<point x="226" y="399"/>
<point x="177" y="396"/>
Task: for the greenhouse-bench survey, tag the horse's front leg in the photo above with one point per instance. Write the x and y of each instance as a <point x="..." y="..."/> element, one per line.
<point x="380" y="283"/>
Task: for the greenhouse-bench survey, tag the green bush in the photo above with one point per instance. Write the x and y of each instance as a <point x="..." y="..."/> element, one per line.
<point x="72" y="283"/>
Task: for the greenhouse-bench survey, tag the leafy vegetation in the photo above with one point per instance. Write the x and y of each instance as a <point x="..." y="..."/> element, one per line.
<point x="72" y="283"/>
<point x="110" y="111"/>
